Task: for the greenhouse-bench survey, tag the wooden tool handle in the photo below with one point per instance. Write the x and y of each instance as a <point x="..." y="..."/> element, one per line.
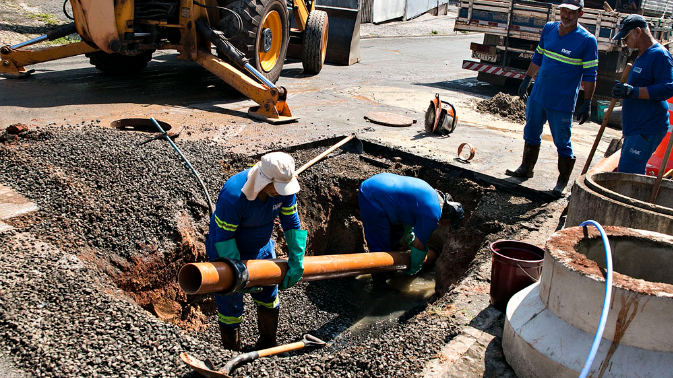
<point x="281" y="349"/>
<point x="327" y="152"/>
<point x="606" y="118"/>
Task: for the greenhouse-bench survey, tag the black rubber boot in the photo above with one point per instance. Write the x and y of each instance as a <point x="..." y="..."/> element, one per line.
<point x="565" y="168"/>
<point x="525" y="170"/>
<point x="230" y="338"/>
<point x="267" y="320"/>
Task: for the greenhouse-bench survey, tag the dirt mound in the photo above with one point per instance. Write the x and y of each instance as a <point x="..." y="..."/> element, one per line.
<point x="509" y="107"/>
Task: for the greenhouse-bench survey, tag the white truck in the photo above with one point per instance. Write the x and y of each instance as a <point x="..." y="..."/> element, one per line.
<point x="512" y="30"/>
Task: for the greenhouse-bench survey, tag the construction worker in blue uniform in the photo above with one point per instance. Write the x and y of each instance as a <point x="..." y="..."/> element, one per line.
<point x="566" y="55"/>
<point x="401" y="212"/>
<point x="241" y="228"/>
<point x="645" y="118"/>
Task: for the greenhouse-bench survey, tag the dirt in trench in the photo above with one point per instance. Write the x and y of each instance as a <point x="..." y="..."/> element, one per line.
<point x="138" y="216"/>
<point x="511" y="108"/>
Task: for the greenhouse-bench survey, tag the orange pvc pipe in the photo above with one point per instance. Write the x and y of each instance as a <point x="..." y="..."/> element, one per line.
<point x="213" y="277"/>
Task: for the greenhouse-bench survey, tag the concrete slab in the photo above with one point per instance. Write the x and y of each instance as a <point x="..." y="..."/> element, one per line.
<point x="13" y="204"/>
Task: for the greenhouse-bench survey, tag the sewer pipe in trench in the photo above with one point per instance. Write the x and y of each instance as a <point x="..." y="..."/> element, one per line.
<point x="228" y="276"/>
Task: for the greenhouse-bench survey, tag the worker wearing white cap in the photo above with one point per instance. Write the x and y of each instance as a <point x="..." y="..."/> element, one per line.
<point x="241" y="229"/>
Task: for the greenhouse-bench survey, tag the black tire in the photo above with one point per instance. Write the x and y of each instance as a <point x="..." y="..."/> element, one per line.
<point x="251" y="39"/>
<point x="117" y="64"/>
<point x="315" y="42"/>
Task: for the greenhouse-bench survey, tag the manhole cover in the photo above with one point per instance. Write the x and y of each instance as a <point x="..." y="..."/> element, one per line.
<point x="389" y="119"/>
<point x="138" y="124"/>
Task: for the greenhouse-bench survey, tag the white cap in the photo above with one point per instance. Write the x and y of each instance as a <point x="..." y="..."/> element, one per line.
<point x="276" y="168"/>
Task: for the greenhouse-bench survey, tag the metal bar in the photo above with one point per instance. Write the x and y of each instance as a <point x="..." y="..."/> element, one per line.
<point x="214" y="277"/>
<point x="30" y="42"/>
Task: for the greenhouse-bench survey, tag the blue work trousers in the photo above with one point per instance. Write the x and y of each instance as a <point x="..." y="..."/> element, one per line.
<point x="560" y="124"/>
<point x="637" y="150"/>
<point x="230" y="307"/>
<point x="381" y="235"/>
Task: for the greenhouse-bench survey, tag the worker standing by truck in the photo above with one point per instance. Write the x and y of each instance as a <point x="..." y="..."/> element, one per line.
<point x="241" y="228"/>
<point x="395" y="208"/>
<point x="644" y="107"/>
<point x="566" y="55"/>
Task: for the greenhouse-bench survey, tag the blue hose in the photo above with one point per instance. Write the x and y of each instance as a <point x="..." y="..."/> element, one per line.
<point x="606" y="300"/>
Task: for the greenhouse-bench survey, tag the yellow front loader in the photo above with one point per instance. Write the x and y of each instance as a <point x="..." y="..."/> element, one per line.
<point x="250" y="36"/>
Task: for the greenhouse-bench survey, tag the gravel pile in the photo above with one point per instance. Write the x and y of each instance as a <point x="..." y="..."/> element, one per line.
<point x="101" y="193"/>
<point x="509" y="107"/>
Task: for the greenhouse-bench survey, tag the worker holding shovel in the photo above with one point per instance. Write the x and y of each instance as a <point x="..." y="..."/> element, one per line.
<point x="241" y="228"/>
<point x="400" y="213"/>
<point x="644" y="106"/>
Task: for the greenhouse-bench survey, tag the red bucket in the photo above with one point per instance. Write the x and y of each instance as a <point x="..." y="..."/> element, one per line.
<point x="515" y="266"/>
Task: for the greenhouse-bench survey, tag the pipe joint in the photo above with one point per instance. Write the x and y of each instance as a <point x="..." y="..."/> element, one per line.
<point x="241" y="276"/>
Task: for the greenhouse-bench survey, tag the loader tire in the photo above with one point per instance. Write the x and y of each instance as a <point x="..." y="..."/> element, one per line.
<point x="264" y="36"/>
<point x="117" y="64"/>
<point x="315" y="42"/>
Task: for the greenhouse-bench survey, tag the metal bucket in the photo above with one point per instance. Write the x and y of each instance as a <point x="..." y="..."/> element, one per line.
<point x="515" y="266"/>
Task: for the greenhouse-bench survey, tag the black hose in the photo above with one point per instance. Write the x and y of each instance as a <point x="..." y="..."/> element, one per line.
<point x="203" y="186"/>
<point x="65" y="11"/>
<point x="238" y="18"/>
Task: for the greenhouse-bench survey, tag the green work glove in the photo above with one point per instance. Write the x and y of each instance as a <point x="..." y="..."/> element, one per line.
<point x="417" y="258"/>
<point x="408" y="236"/>
<point x="228" y="248"/>
<point x="296" y="246"/>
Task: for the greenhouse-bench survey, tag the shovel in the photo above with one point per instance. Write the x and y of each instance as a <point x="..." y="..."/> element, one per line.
<point x="606" y="118"/>
<point x="208" y="370"/>
<point x="355" y="146"/>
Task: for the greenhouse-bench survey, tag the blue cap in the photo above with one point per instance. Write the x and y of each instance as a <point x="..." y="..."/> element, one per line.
<point x="629" y="23"/>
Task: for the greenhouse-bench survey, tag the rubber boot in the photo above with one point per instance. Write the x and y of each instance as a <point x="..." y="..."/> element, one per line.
<point x="230" y="338"/>
<point x="267" y="320"/>
<point x="565" y="168"/>
<point x="530" y="154"/>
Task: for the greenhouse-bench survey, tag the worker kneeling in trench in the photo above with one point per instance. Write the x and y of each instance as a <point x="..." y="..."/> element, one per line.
<point x="400" y="213"/>
<point x="241" y="228"/>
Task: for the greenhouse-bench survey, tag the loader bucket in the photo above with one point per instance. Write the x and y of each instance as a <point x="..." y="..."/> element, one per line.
<point x="343" y="39"/>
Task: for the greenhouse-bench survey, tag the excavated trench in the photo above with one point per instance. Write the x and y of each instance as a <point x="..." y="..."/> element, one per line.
<point x="137" y="215"/>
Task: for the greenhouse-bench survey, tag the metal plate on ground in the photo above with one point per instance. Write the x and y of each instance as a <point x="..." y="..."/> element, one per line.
<point x="389" y="119"/>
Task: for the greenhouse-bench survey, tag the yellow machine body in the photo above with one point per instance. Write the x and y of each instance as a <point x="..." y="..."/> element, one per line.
<point x="114" y="28"/>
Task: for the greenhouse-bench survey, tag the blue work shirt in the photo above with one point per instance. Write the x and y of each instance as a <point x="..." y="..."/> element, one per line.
<point x="654" y="70"/>
<point x="564" y="62"/>
<point x="250" y="222"/>
<point x="405" y="200"/>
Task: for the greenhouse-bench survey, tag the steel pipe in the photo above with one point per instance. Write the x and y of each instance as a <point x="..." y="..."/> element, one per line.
<point x="229" y="276"/>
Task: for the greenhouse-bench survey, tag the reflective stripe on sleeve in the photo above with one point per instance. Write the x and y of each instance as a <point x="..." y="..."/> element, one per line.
<point x="589" y="64"/>
<point x="289" y="210"/>
<point x="224" y="225"/>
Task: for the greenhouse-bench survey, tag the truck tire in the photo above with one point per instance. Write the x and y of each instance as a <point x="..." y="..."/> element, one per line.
<point x="315" y="42"/>
<point x="118" y="64"/>
<point x="264" y="35"/>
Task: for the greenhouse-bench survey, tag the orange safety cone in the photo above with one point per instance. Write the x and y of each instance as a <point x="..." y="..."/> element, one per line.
<point x="654" y="164"/>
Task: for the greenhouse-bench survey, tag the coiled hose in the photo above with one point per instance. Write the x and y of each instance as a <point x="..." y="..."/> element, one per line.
<point x="606" y="300"/>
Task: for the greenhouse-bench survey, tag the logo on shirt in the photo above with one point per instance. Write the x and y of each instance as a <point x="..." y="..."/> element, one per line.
<point x="635" y="152"/>
<point x="567" y="52"/>
<point x="637" y="69"/>
<point x="277" y="206"/>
